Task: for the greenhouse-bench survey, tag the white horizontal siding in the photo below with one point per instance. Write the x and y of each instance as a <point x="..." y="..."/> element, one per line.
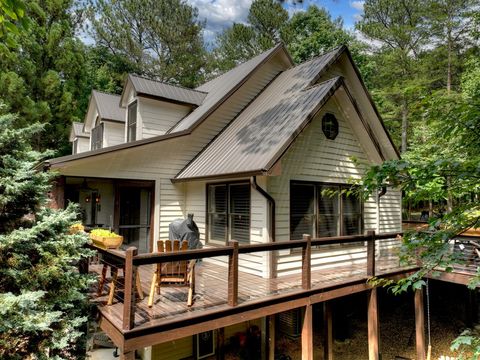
<point x="315" y="158"/>
<point x="156" y="117"/>
<point x="113" y="133"/>
<point x="83" y="144"/>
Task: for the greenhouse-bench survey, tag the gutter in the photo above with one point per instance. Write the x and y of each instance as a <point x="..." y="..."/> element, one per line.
<point x="271" y="220"/>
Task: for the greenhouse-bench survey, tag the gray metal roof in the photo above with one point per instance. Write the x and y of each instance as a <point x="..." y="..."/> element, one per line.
<point x="221" y="88"/>
<point x="166" y="91"/>
<point x="77" y="131"/>
<point x="258" y="137"/>
<point x="108" y="106"/>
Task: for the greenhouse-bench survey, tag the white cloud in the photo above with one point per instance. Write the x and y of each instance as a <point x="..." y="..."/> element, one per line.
<point x="357" y="5"/>
<point x="220" y="14"/>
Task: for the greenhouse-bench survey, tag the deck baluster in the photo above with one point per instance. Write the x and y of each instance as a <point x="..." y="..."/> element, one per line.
<point x="129" y="291"/>
<point x="233" y="274"/>
<point x="306" y="263"/>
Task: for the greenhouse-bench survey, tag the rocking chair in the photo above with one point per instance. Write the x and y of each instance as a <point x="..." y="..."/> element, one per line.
<point x="175" y="273"/>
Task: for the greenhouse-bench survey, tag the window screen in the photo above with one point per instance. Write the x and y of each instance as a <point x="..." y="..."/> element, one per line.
<point x="97" y="137"/>
<point x="302" y="207"/>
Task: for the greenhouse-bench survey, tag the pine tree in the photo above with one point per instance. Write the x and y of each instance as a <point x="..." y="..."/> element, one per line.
<point x="43" y="304"/>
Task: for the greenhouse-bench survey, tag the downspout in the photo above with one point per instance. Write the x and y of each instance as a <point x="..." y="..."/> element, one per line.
<point x="270" y="220"/>
<point x="379" y="194"/>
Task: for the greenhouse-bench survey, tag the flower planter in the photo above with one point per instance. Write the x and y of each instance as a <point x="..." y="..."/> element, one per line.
<point x="110" y="242"/>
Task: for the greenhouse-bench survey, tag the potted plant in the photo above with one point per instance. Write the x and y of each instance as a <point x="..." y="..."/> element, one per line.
<point x="106" y="239"/>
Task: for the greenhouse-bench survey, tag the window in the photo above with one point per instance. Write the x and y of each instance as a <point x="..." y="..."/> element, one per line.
<point x="75" y="146"/>
<point x="320" y="210"/>
<point x="330" y="126"/>
<point x="97" y="137"/>
<point x="132" y="122"/>
<point x="228" y="212"/>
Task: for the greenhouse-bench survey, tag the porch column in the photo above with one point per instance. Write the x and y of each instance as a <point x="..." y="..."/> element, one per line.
<point x="156" y="215"/>
<point x="57" y="193"/>
<point x="419" y="324"/>
<point x="307" y="334"/>
<point x="373" y="326"/>
<point x="328" y="331"/>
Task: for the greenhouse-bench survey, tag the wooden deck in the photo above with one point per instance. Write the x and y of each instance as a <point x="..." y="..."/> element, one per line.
<point x="212" y="287"/>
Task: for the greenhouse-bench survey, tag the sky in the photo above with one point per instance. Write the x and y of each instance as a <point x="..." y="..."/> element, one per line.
<point x="220" y="14"/>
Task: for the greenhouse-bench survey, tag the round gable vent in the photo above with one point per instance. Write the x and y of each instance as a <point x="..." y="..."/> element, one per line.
<point x="330" y="126"/>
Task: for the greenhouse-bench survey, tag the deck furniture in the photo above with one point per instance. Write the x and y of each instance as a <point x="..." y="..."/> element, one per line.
<point x="115" y="265"/>
<point x="175" y="273"/>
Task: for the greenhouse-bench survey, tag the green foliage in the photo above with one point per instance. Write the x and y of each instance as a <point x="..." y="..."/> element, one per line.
<point x="160" y="39"/>
<point x="467" y="345"/>
<point x="12" y="20"/>
<point x="43" y="303"/>
<point x="43" y="76"/>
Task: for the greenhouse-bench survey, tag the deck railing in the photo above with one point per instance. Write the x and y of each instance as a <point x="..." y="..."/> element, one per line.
<point x="130" y="260"/>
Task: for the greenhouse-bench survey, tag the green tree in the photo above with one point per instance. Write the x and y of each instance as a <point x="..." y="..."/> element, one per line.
<point x="240" y="42"/>
<point x="402" y="30"/>
<point x="43" y="75"/>
<point x="160" y="39"/>
<point x="43" y="303"/>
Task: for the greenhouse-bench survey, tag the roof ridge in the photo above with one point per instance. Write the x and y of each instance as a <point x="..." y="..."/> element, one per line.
<point x="333" y="79"/>
<point x="338" y="49"/>
<point x="165" y="83"/>
<point x="278" y="45"/>
<point x="104" y="92"/>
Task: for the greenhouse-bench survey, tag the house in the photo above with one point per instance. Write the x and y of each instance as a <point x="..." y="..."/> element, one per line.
<point x="250" y="153"/>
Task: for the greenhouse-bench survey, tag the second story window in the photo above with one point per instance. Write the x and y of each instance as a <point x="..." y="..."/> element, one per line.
<point x="97" y="137"/>
<point x="229" y="213"/>
<point x="132" y="122"/>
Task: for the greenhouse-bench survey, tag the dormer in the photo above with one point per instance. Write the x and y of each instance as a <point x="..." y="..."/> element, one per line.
<point x="80" y="140"/>
<point x="153" y="107"/>
<point x="104" y="121"/>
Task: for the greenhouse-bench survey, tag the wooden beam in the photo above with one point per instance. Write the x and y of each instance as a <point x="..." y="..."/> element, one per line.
<point x="271" y="337"/>
<point x="328" y="331"/>
<point x="112" y="332"/>
<point x="452" y="277"/>
<point x="130" y="273"/>
<point x="233" y="275"/>
<point x="373" y="328"/>
<point x="306" y="263"/>
<point x="419" y="324"/>
<point x="307" y="333"/>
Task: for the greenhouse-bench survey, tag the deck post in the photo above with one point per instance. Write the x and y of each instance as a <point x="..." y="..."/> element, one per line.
<point x="307" y="333"/>
<point x="371" y="253"/>
<point x="328" y="331"/>
<point x="373" y="326"/>
<point x="130" y="273"/>
<point x="220" y="344"/>
<point x="233" y="274"/>
<point x="306" y="263"/>
<point x="271" y="337"/>
<point x="419" y="324"/>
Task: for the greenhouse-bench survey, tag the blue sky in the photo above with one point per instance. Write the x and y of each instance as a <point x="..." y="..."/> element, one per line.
<point x="222" y="13"/>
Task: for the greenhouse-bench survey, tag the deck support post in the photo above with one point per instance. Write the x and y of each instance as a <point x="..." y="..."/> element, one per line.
<point x="307" y="333"/>
<point x="130" y="274"/>
<point x="328" y="331"/>
<point x="233" y="275"/>
<point x="373" y="326"/>
<point x="271" y="337"/>
<point x="220" y="344"/>
<point x="419" y="324"/>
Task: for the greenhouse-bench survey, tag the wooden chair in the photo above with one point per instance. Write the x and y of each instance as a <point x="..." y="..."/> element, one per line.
<point x="114" y="267"/>
<point x="176" y="273"/>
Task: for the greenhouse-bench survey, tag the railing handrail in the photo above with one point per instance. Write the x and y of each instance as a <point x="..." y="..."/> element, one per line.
<point x="154" y="258"/>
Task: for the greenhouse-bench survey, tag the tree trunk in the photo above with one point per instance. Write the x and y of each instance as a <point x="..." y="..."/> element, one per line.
<point x="404" y="125"/>
<point x="449" y="62"/>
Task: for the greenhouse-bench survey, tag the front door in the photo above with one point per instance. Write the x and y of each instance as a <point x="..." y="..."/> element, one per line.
<point x="134" y="215"/>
